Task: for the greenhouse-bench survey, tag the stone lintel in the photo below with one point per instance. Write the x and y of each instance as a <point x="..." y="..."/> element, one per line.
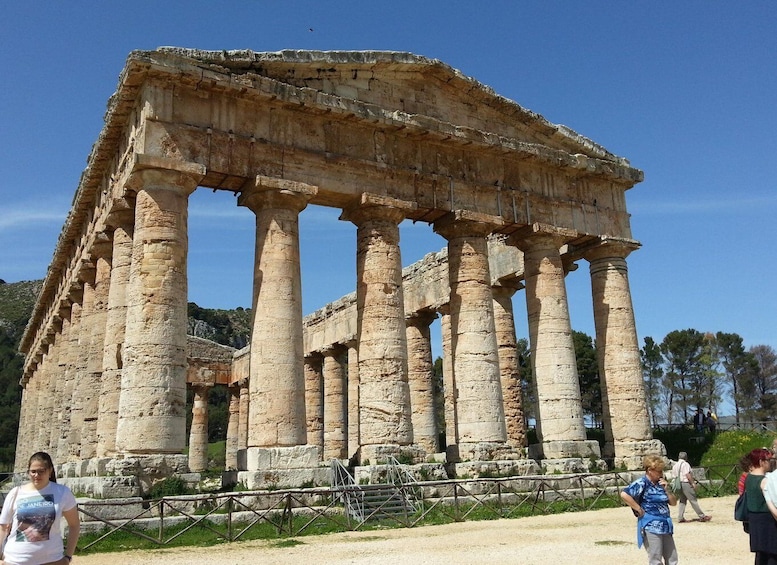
<point x="271" y="183"/>
<point x="144" y="162"/>
<point x="279" y="458"/>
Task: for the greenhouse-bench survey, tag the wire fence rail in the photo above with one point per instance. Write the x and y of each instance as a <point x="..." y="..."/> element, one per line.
<point x="295" y="512"/>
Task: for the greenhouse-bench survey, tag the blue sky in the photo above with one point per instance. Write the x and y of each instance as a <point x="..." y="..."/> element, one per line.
<point x="685" y="90"/>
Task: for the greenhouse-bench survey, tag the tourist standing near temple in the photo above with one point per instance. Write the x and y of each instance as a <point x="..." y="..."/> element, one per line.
<point x="649" y="497"/>
<point x="31" y="518"/>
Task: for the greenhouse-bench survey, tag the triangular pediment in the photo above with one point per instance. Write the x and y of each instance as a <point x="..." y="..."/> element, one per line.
<point x="400" y="82"/>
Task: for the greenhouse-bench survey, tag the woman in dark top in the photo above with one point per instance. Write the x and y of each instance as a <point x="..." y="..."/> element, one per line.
<point x="763" y="527"/>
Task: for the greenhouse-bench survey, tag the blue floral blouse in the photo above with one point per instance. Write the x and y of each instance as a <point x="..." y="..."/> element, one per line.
<point x="654" y="500"/>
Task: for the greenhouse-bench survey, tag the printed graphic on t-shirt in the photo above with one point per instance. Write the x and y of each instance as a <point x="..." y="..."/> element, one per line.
<point x="35" y="516"/>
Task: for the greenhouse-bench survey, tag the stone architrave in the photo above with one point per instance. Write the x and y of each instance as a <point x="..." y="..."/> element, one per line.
<point x="230" y="455"/>
<point x="335" y="404"/>
<point x="198" y="433"/>
<point x="277" y="381"/>
<point x="560" y="426"/>
<point x="115" y="324"/>
<point x="314" y="400"/>
<point x="510" y="374"/>
<point x="152" y="407"/>
<point x="419" y="376"/>
<point x="627" y="423"/>
<point x="384" y="414"/>
<point x="479" y="403"/>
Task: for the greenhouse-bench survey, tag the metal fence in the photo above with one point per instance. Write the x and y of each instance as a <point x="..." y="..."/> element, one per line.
<point x="294" y="512"/>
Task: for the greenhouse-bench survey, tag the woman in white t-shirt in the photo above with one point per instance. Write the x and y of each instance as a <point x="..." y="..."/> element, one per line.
<point x="31" y="518"/>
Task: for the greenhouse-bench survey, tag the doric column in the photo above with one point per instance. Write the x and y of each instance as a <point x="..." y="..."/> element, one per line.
<point x="63" y="342"/>
<point x="479" y="405"/>
<point x="627" y="423"/>
<point x="419" y="376"/>
<point x="101" y="255"/>
<point x="449" y="385"/>
<point x="509" y="371"/>
<point x="115" y="325"/>
<point x="198" y="434"/>
<point x="560" y="425"/>
<point x="69" y="378"/>
<point x="277" y="380"/>
<point x="152" y="418"/>
<point x="314" y="400"/>
<point x="230" y="456"/>
<point x="46" y="373"/>
<point x="353" y="399"/>
<point x="384" y="396"/>
<point x="335" y="404"/>
<point x="83" y="389"/>
<point x="242" y="431"/>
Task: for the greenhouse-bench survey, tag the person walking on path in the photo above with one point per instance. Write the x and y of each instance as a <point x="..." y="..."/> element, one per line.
<point x="30" y="522"/>
<point x="688" y="483"/>
<point x="649" y="498"/>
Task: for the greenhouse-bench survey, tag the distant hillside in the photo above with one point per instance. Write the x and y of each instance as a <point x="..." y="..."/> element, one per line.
<point x="228" y="327"/>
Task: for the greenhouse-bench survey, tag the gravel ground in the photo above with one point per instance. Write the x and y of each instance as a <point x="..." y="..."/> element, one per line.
<point x="601" y="536"/>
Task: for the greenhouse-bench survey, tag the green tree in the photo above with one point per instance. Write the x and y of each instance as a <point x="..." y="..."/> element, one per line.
<point x="682" y="351"/>
<point x="653" y="376"/>
<point x="765" y="382"/>
<point x="528" y="391"/>
<point x="739" y="369"/>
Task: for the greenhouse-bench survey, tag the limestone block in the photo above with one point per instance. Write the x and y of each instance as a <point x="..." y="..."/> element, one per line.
<point x="284" y="478"/>
<point x="561" y="449"/>
<point x="296" y="457"/>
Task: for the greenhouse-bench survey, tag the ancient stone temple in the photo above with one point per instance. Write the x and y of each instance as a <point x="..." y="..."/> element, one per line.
<point x="385" y="137"/>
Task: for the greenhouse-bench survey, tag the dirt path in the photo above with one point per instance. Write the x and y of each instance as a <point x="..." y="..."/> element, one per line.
<point x="602" y="536"/>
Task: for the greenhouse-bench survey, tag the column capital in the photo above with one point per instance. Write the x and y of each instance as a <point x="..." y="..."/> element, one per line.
<point x="148" y="170"/>
<point x="608" y="247"/>
<point x="421" y="318"/>
<point x="541" y="235"/>
<point x="463" y="223"/>
<point x="270" y="192"/>
<point x="122" y="213"/>
<point x="102" y="246"/>
<point x="375" y="207"/>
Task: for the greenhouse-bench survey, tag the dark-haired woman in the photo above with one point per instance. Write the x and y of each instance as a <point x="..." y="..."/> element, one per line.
<point x="762" y="525"/>
<point x="31" y="518"/>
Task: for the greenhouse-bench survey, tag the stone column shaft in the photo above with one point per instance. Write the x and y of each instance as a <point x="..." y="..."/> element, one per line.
<point x="560" y="425"/>
<point x="510" y="373"/>
<point x="479" y="404"/>
<point x="89" y="435"/>
<point x="277" y="381"/>
<point x="83" y="393"/>
<point x="230" y="457"/>
<point x="152" y="418"/>
<point x="627" y="419"/>
<point x="420" y="369"/>
<point x="198" y="434"/>
<point x="449" y="382"/>
<point x="115" y="326"/>
<point x="335" y="405"/>
<point x="314" y="400"/>
<point x="71" y="361"/>
<point x="354" y="440"/>
<point x="384" y="395"/>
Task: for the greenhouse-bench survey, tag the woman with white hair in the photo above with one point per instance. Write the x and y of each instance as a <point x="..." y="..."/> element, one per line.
<point x="687" y="492"/>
